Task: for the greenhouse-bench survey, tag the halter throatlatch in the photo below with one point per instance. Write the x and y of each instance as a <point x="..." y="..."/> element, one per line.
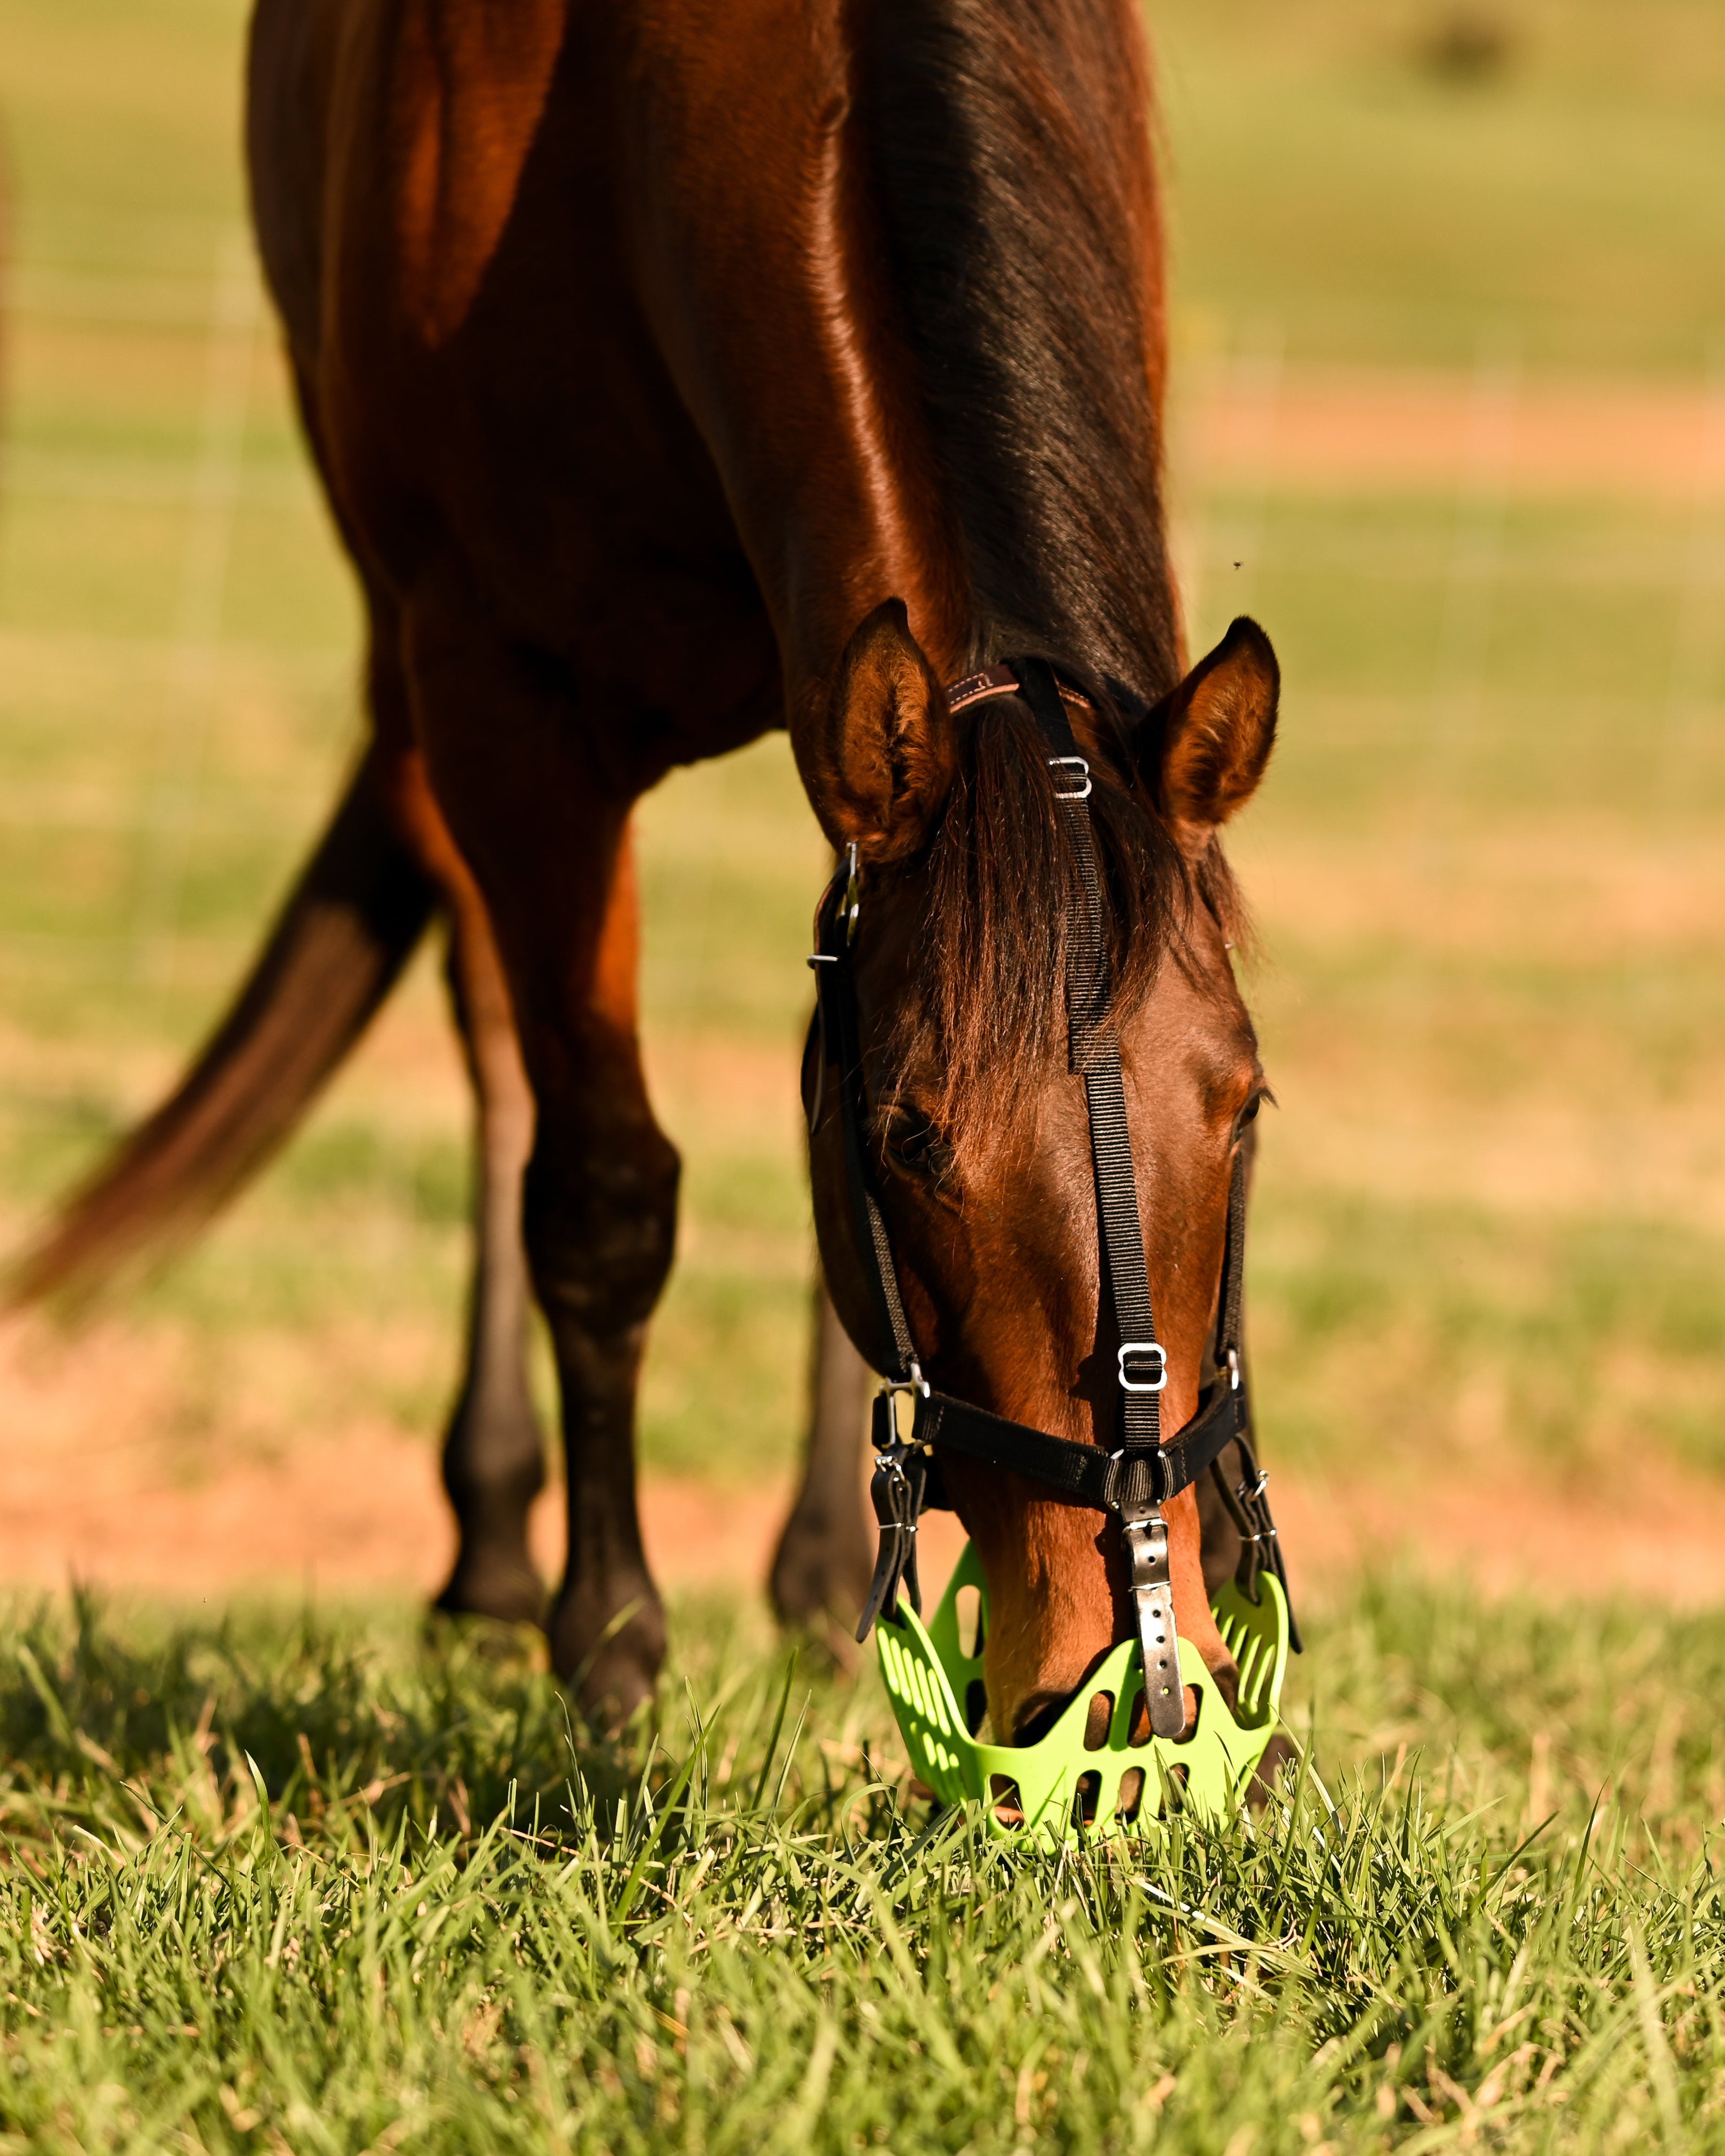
<point x="1141" y="1473"/>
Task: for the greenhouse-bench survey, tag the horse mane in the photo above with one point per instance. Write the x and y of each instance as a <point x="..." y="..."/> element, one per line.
<point x="1008" y="145"/>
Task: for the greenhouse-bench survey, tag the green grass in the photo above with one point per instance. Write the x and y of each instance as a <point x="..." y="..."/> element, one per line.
<point x="1336" y="194"/>
<point x="309" y="1884"/>
<point x="306" y="1883"/>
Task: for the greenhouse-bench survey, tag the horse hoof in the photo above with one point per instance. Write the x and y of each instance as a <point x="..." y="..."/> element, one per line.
<point x="1278" y="1753"/>
<point x="509" y="1593"/>
<point x="607" y="1650"/>
<point x="820" y="1575"/>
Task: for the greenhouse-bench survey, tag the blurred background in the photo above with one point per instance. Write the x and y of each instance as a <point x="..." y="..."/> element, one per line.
<point x="1449" y="417"/>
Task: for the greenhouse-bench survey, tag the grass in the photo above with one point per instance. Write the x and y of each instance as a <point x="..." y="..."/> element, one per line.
<point x="303" y="1880"/>
<point x="313" y="1884"/>
<point x="1336" y="187"/>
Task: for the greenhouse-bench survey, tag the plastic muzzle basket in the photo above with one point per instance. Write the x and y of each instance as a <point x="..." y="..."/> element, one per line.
<point x="1056" y="1783"/>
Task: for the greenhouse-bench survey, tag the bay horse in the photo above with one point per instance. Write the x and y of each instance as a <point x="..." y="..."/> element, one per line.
<point x="678" y="370"/>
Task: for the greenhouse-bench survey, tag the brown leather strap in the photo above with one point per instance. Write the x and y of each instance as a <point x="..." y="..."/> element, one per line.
<point x="976" y="688"/>
<point x="1000" y="680"/>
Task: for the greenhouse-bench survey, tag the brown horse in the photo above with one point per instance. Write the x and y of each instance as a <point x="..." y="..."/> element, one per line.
<point x="678" y="370"/>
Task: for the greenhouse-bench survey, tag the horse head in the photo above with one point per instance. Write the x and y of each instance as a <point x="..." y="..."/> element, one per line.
<point x="977" y="1132"/>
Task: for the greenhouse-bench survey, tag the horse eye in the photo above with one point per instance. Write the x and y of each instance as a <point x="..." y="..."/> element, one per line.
<point x="1249" y="1114"/>
<point x="916" y="1145"/>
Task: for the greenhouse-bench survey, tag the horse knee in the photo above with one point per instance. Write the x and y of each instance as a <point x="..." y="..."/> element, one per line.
<point x="599" y="1222"/>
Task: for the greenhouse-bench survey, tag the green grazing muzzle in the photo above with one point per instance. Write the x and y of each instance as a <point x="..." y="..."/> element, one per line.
<point x="1057" y="1785"/>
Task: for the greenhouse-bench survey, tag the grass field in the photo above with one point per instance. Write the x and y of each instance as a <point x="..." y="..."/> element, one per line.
<point x="293" y="1884"/>
<point x="1490" y="879"/>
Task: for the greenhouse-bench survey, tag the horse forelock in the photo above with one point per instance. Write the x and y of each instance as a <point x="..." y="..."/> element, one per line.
<point x="985" y="1025"/>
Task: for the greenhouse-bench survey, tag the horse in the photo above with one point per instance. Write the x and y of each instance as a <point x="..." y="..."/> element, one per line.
<point x="677" y="372"/>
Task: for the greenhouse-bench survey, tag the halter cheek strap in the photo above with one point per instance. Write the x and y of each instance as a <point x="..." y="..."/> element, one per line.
<point x="1136" y="1478"/>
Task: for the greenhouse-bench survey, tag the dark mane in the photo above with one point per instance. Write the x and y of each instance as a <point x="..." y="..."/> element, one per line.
<point x="1008" y="142"/>
<point x="1009" y="147"/>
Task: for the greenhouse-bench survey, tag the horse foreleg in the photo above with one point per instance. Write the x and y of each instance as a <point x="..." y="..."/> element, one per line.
<point x="540" y="822"/>
<point x="494" y="1452"/>
<point x="825" y="1557"/>
<point x="600" y="1221"/>
<point x="494" y="1456"/>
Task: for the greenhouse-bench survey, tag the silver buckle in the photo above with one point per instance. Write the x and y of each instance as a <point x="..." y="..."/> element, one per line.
<point x="892" y="1388"/>
<point x="1142" y="1347"/>
<point x="1071" y="763"/>
<point x="1157" y="1466"/>
<point x="849" y="907"/>
<point x="916" y="1382"/>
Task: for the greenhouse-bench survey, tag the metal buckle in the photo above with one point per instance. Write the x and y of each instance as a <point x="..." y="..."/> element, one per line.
<point x="847" y="881"/>
<point x="1233" y="1369"/>
<point x="916" y="1382"/>
<point x="1136" y="1347"/>
<point x="892" y="1387"/>
<point x="1154" y="1461"/>
<point x="1071" y="763"/>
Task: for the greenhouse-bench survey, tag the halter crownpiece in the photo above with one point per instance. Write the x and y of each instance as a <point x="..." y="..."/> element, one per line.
<point x="925" y="1673"/>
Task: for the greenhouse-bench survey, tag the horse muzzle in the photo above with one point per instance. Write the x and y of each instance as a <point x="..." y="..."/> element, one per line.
<point x="1067" y="1781"/>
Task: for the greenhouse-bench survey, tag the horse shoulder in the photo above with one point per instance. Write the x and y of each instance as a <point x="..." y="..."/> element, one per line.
<point x="469" y="84"/>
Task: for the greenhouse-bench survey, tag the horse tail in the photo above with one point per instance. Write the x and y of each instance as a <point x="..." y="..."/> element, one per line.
<point x="354" y="919"/>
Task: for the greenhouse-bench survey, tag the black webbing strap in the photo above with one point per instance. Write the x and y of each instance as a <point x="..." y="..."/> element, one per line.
<point x="835" y="1009"/>
<point x="900" y="1490"/>
<point x="1094" y="1051"/>
<point x="1085" y="1474"/>
<point x="1230" y="1298"/>
<point x="1247" y="1500"/>
<point x="1141" y="1364"/>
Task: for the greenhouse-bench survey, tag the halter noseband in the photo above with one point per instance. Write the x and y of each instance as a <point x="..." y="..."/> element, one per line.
<point x="1135" y="1480"/>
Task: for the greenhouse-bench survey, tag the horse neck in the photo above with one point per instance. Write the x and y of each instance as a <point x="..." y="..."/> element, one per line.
<point x="784" y="286"/>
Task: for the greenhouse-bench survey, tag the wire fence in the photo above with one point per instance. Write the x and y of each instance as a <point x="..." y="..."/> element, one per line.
<point x="1238" y="530"/>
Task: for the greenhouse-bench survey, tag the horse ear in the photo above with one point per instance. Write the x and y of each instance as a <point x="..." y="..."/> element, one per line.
<point x="879" y="762"/>
<point x="1204" y="747"/>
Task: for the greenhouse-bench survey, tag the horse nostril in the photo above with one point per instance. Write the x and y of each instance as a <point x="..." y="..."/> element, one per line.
<point x="1097" y="1722"/>
<point x="1035" y="1726"/>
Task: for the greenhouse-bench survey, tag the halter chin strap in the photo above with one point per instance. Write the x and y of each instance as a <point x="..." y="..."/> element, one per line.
<point x="1137" y="1478"/>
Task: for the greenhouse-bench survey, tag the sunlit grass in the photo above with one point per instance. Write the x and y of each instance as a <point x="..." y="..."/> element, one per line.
<point x="307" y="1881"/>
<point x="300" y="1883"/>
<point x="1341" y="197"/>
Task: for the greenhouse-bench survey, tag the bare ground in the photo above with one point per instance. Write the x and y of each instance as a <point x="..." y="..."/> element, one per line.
<point x="1377" y="428"/>
<point x="86" y="1493"/>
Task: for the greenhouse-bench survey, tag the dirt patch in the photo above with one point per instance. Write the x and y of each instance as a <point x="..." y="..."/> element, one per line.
<point x="1349" y="429"/>
<point x="87" y="1493"/>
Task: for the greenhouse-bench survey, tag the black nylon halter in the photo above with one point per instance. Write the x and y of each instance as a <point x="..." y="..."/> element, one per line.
<point x="1136" y="1479"/>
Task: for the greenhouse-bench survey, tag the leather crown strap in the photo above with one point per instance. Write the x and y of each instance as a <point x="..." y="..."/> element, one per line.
<point x="1136" y="1479"/>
